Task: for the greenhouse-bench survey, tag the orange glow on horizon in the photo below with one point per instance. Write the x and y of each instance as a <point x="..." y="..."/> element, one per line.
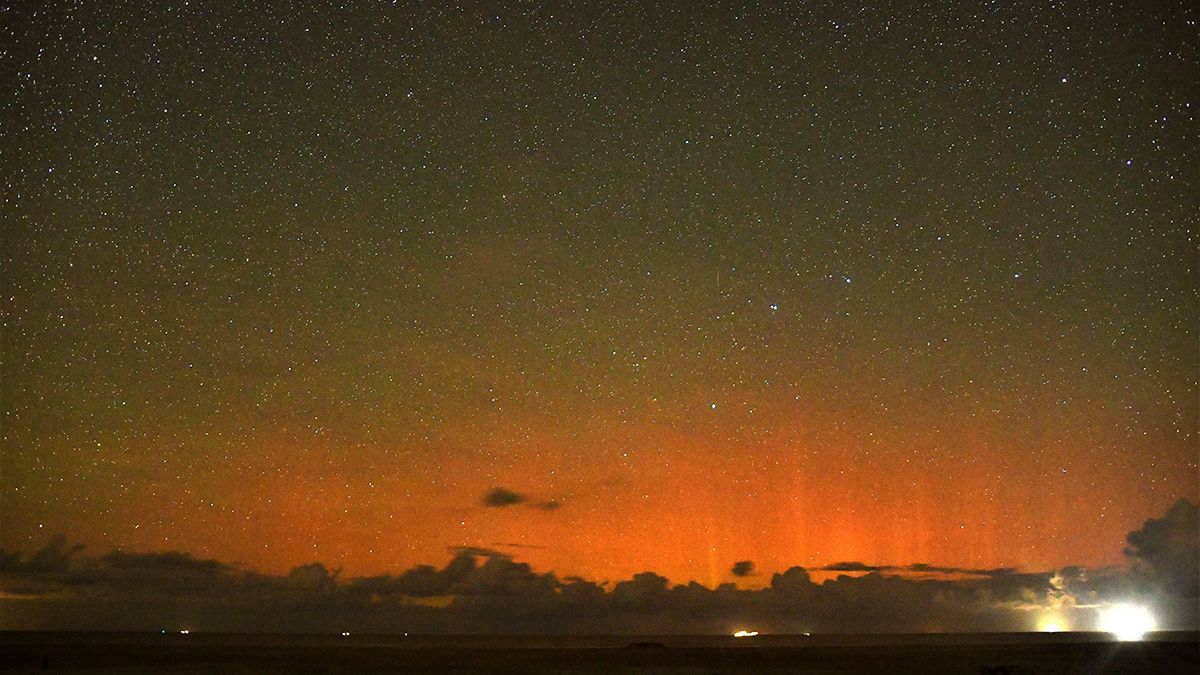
<point x="650" y="498"/>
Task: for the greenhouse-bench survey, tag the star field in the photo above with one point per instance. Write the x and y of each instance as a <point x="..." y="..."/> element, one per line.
<point x="799" y="285"/>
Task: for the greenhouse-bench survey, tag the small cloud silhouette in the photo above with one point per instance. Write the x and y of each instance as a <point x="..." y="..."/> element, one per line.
<point x="743" y="568"/>
<point x="477" y="552"/>
<point x="513" y="544"/>
<point x="499" y="497"/>
<point x="852" y="566"/>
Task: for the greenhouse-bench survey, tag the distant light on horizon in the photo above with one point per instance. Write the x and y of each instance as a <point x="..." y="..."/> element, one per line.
<point x="1127" y="622"/>
<point x="745" y="633"/>
<point x="1051" y="623"/>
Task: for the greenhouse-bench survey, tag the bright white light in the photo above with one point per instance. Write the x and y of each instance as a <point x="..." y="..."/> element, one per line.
<point x="745" y="633"/>
<point x="1127" y="622"/>
<point x="1051" y="623"/>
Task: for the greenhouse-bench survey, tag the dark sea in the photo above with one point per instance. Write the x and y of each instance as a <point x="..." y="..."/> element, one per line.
<point x="928" y="654"/>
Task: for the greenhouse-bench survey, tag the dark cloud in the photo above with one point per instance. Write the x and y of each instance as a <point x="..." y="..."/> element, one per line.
<point x="792" y="583"/>
<point x="55" y="558"/>
<point x="853" y="566"/>
<point x="644" y="591"/>
<point x="480" y="590"/>
<point x="916" y="569"/>
<point x="1168" y="548"/>
<point x="743" y="568"/>
<point x="313" y="577"/>
<point x="171" y="562"/>
<point x="477" y="551"/>
<point x="500" y="497"/>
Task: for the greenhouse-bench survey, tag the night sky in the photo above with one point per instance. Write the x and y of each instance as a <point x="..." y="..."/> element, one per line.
<point x="608" y="288"/>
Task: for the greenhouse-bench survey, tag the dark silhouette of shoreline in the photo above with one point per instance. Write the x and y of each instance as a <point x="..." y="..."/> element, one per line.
<point x="1024" y="653"/>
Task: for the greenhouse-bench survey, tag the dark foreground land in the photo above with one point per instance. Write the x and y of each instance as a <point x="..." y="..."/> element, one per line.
<point x="927" y="655"/>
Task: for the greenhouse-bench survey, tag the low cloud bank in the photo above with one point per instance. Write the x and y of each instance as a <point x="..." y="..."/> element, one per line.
<point x="486" y="591"/>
